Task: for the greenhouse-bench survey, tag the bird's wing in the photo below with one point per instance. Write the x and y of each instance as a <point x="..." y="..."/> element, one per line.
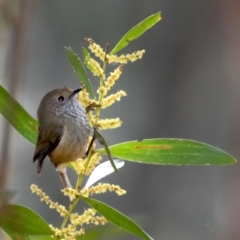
<point x="45" y="145"/>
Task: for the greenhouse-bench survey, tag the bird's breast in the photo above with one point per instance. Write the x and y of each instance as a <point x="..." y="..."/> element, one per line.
<point x="73" y="144"/>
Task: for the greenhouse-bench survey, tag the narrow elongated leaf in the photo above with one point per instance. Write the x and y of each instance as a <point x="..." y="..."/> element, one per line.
<point x="17" y="116"/>
<point x="86" y="55"/>
<point x="137" y="31"/>
<point x="19" y="220"/>
<point x="79" y="70"/>
<point x="15" y="236"/>
<point x="117" y="218"/>
<point x="102" y="141"/>
<point x="85" y="52"/>
<point x="102" y="232"/>
<point x="41" y="237"/>
<point x="171" y="152"/>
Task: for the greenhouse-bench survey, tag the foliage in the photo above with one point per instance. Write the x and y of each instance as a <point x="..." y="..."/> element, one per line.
<point x="20" y="222"/>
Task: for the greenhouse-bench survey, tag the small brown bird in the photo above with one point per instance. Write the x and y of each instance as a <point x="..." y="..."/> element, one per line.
<point x="63" y="130"/>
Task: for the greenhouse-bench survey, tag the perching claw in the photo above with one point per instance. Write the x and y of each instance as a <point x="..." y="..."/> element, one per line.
<point x="92" y="107"/>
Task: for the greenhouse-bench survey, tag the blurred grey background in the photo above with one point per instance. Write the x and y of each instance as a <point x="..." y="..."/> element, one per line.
<point x="186" y="86"/>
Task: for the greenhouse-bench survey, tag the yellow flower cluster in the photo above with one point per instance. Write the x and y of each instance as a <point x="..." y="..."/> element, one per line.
<point x="88" y="217"/>
<point x="109" y="123"/>
<point x="113" y="77"/>
<point x="91" y="118"/>
<point x="87" y="165"/>
<point x="95" y="159"/>
<point x="45" y="198"/>
<point x="96" y="49"/>
<point x="70" y="192"/>
<point x="71" y="231"/>
<point x="83" y="97"/>
<point x="111" y="99"/>
<point x="81" y="167"/>
<point x="102" y="188"/>
<point x="105" y="123"/>
<point x="105" y="85"/>
<point x="68" y="233"/>
<point x="102" y="91"/>
<point x="95" y="67"/>
<point x="125" y="58"/>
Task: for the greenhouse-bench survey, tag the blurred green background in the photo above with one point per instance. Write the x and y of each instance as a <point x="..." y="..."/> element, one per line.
<point x="186" y="86"/>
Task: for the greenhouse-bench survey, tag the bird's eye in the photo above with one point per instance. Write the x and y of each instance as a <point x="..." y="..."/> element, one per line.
<point x="61" y="99"/>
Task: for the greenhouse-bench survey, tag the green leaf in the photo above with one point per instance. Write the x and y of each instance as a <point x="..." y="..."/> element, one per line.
<point x="117" y="218"/>
<point x="104" y="143"/>
<point x="102" y="232"/>
<point x="85" y="52"/>
<point x="19" y="220"/>
<point x="42" y="237"/>
<point x="17" y="116"/>
<point x="171" y="152"/>
<point x="86" y="56"/>
<point x="79" y="70"/>
<point x="137" y="31"/>
<point x="15" y="236"/>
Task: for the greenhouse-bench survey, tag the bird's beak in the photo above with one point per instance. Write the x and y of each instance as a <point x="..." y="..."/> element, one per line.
<point x="74" y="92"/>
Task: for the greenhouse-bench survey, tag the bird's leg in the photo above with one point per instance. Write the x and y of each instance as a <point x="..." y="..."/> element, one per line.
<point x="62" y="169"/>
